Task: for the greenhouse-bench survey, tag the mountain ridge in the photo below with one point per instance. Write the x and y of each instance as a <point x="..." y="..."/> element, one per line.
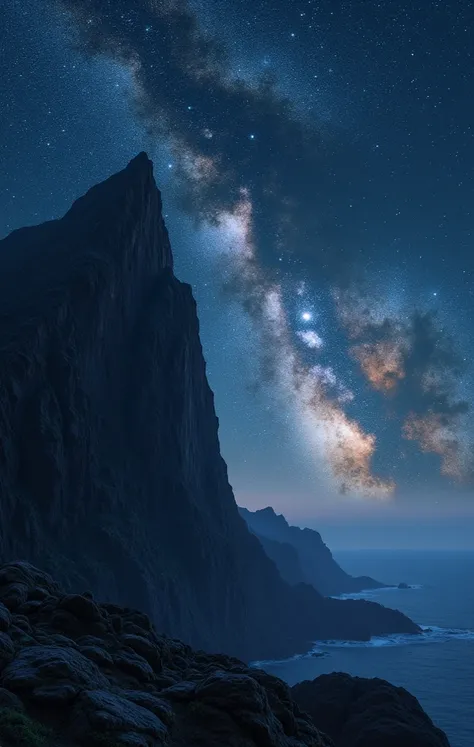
<point x="301" y="555"/>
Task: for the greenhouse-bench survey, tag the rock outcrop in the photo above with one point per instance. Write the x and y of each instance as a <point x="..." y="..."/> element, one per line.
<point x="110" y="472"/>
<point x="359" y="712"/>
<point x="301" y="556"/>
<point x="75" y="672"/>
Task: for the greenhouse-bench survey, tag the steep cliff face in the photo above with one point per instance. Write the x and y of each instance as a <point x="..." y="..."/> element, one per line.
<point x="301" y="555"/>
<point x="110" y="471"/>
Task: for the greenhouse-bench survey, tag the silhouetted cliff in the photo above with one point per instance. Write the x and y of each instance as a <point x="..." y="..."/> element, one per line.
<point x="110" y="472"/>
<point x="301" y="555"/>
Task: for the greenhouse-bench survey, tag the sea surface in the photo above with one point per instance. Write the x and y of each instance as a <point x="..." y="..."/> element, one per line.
<point x="439" y="667"/>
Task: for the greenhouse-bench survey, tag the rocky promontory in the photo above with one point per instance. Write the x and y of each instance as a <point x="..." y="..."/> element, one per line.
<point x="301" y="555"/>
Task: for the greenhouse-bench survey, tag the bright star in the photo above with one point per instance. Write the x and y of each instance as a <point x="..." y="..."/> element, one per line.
<point x="306" y="316"/>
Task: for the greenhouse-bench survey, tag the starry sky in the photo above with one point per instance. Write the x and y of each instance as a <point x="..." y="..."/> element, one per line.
<point x="316" y="164"/>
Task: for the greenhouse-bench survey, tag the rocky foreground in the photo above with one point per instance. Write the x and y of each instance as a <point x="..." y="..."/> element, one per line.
<point x="76" y="672"/>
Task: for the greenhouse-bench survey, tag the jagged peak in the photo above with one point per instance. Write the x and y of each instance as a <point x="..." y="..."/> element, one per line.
<point x="137" y="178"/>
<point x="267" y="514"/>
<point x="117" y="222"/>
<point x="132" y="196"/>
<point x="141" y="161"/>
<point x="273" y="520"/>
<point x="270" y="512"/>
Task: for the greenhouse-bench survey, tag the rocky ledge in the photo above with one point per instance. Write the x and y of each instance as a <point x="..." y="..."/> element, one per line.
<point x="76" y="672"/>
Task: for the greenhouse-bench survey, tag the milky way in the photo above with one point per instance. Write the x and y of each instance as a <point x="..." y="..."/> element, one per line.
<point x="312" y="392"/>
<point x="243" y="154"/>
<point x="349" y="260"/>
<point x="410" y="359"/>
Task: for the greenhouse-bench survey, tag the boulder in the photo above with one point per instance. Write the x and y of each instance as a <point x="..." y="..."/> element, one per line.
<point x="81" y="606"/>
<point x="106" y="713"/>
<point x="35" y="666"/>
<point x="358" y="712"/>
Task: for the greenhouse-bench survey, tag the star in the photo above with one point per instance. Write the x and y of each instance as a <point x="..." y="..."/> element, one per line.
<point x="348" y="208"/>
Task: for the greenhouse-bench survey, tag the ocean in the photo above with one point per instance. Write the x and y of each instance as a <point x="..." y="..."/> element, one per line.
<point x="439" y="668"/>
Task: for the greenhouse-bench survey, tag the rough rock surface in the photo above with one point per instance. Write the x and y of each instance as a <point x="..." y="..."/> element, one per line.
<point x="358" y="712"/>
<point x="301" y="556"/>
<point x="66" y="674"/>
<point x="110" y="472"/>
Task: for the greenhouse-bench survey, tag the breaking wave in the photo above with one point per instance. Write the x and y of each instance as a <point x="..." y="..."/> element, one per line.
<point x="429" y="634"/>
<point x="374" y="593"/>
<point x="315" y="653"/>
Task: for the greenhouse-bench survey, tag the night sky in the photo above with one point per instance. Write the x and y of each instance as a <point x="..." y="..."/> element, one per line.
<point x="316" y="161"/>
